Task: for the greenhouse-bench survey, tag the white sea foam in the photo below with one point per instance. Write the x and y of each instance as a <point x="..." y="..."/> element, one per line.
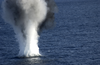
<point x="26" y="16"/>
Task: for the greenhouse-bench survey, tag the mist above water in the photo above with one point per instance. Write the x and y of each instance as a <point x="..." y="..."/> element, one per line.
<point x="27" y="17"/>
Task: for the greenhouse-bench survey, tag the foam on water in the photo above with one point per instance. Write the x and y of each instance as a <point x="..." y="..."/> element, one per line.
<point x="26" y="16"/>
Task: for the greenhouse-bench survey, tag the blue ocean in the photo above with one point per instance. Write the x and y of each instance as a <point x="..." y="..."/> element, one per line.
<point x="74" y="40"/>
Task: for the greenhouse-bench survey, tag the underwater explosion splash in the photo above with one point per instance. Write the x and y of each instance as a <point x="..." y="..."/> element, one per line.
<point x="28" y="18"/>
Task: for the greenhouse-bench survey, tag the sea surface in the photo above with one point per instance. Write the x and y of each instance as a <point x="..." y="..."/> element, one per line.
<point x="75" y="39"/>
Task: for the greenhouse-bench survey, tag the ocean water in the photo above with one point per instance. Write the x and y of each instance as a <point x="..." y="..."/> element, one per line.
<point x="75" y="39"/>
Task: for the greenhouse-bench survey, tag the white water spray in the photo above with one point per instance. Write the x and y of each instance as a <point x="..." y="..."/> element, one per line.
<point x="28" y="18"/>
